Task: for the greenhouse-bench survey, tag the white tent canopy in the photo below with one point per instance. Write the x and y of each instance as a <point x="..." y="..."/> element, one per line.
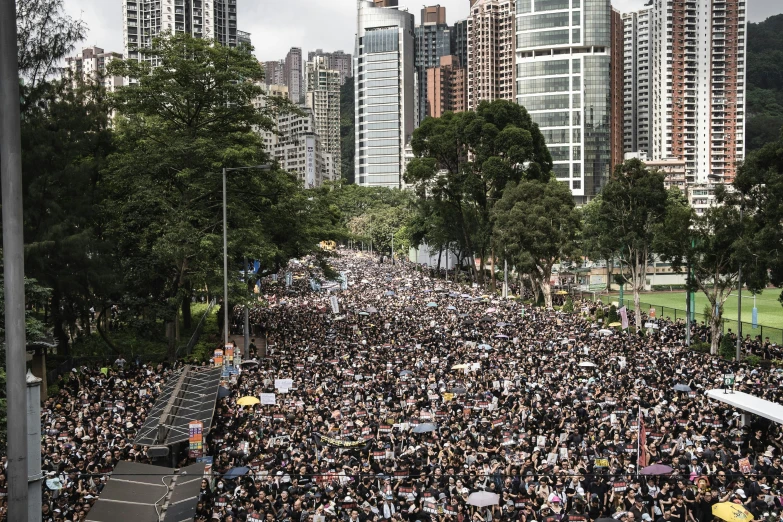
<point x="749" y="403"/>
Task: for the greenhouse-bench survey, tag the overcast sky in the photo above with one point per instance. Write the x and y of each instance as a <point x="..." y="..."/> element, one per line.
<point x="278" y="25"/>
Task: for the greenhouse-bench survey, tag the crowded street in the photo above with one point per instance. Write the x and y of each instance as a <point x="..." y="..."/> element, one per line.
<point x="424" y="400"/>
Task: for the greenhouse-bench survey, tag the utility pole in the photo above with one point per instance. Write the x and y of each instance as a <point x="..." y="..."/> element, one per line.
<point x="246" y="347"/>
<point x="739" y="298"/>
<point x="13" y="267"/>
<point x="392" y="248"/>
<point x="225" y="265"/>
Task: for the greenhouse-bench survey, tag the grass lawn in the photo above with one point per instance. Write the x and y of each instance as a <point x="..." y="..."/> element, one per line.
<point x="672" y="304"/>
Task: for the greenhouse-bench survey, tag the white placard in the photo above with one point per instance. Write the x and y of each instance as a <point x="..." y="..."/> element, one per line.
<point x="268" y="398"/>
<point x="284" y="384"/>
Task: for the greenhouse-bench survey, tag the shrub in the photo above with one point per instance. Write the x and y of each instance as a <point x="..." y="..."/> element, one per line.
<point x="612" y="317"/>
<point x="599" y="313"/>
<point x="701" y="347"/>
<point x="727" y="348"/>
<point x="568" y="306"/>
<point x="752" y="360"/>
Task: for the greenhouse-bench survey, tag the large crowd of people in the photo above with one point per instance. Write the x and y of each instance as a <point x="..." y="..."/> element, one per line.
<point x="422" y="400"/>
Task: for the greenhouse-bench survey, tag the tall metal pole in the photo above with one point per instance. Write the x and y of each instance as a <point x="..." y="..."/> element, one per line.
<point x="225" y="265"/>
<point x="505" y="278"/>
<point x="392" y="245"/>
<point x="739" y="300"/>
<point x="246" y="348"/>
<point x="13" y="265"/>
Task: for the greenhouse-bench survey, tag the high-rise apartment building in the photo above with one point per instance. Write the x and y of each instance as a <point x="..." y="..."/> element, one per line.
<point x="143" y="20"/>
<point x="699" y="85"/>
<point x="337" y="61"/>
<point x="243" y="39"/>
<point x="294" y="142"/>
<point x="433" y="40"/>
<point x="446" y="87"/>
<point x="491" y="32"/>
<point x="384" y="79"/>
<point x="563" y="80"/>
<point x="274" y="73"/>
<point x="293" y="74"/>
<point x="90" y="67"/>
<point x="616" y="90"/>
<point x="637" y="81"/>
<point x="459" y="41"/>
<point x="323" y="98"/>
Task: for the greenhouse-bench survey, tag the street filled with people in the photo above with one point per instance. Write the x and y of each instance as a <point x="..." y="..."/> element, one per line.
<point x="421" y="400"/>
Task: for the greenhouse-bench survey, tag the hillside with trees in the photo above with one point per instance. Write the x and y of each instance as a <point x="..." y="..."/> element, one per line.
<point x="764" y="82"/>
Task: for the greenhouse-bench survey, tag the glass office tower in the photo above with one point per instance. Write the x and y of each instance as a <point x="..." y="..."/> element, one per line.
<point x="563" y="73"/>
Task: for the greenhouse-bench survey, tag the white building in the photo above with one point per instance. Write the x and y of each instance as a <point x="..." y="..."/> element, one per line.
<point x="384" y="78"/>
<point x="144" y="20"/>
<point x="295" y="144"/>
<point x="563" y="80"/>
<point x="91" y="65"/>
<point x="637" y="80"/>
<point x="323" y="98"/>
<point x="698" y="85"/>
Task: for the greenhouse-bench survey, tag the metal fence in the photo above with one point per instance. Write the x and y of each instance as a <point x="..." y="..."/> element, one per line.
<point x="774" y="334"/>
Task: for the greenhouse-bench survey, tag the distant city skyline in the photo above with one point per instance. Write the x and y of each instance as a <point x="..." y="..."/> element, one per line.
<point x="278" y="25"/>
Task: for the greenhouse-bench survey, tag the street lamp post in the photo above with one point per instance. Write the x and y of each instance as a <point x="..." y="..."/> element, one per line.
<point x="392" y="248"/>
<point x="225" y="251"/>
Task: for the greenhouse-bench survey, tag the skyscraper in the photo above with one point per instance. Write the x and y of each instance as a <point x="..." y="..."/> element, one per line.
<point x="323" y="98"/>
<point x="337" y="61"/>
<point x="638" y="68"/>
<point x="384" y="79"/>
<point x="616" y="90"/>
<point x="90" y="67"/>
<point x="274" y="73"/>
<point x="491" y="30"/>
<point x="146" y="19"/>
<point x="446" y="87"/>
<point x="293" y="74"/>
<point x="459" y="41"/>
<point x="698" y="91"/>
<point x="433" y="40"/>
<point x="563" y="80"/>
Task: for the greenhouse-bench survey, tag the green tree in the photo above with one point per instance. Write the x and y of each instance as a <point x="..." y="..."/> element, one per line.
<point x="536" y="223"/>
<point x="764" y="96"/>
<point x="636" y="217"/>
<point x="65" y="141"/>
<point x="179" y="125"/>
<point x="465" y="160"/>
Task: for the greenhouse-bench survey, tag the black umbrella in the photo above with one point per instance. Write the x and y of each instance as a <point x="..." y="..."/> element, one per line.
<point x="486" y="319"/>
<point x="469" y="321"/>
<point x="223" y="392"/>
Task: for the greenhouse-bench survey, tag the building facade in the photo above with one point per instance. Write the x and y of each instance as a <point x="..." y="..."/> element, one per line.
<point x="384" y="80"/>
<point x="446" y="87"/>
<point x="323" y="98"/>
<point x="144" y="20"/>
<point x="459" y="41"/>
<point x="698" y="89"/>
<point x="292" y="71"/>
<point x="90" y="67"/>
<point x="616" y="91"/>
<point x="336" y="61"/>
<point x="274" y="73"/>
<point x="563" y="80"/>
<point x="433" y="40"/>
<point x="491" y="33"/>
<point x="637" y="81"/>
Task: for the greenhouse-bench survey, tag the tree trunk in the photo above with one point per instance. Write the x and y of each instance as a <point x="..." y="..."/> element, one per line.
<point x="609" y="277"/>
<point x="187" y="318"/>
<point x="546" y="288"/>
<point x="176" y="326"/>
<point x="492" y="267"/>
<point x="63" y="348"/>
<point x="440" y="253"/>
<point x="715" y="320"/>
<point x="170" y="332"/>
<point x="636" y="305"/>
<point x="481" y="270"/>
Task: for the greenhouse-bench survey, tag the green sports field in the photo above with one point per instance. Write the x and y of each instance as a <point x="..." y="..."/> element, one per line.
<point x="672" y="305"/>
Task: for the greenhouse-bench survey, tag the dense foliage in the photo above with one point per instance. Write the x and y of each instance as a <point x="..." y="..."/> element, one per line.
<point x="764" y="97"/>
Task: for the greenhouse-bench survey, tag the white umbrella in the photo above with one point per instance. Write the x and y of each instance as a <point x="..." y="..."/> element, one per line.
<point x="483" y="499"/>
<point x="587" y="364"/>
<point x="604" y="331"/>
